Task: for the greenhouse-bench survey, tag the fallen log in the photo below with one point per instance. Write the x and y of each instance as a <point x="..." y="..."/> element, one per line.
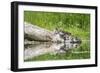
<point x="35" y="33"/>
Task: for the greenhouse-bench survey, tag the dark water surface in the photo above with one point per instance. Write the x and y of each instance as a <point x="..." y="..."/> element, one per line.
<point x="56" y="51"/>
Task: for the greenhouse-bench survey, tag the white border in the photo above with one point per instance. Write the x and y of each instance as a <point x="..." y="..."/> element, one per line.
<point x="22" y="64"/>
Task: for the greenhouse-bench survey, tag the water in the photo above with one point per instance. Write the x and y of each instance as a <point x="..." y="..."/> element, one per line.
<point x="56" y="51"/>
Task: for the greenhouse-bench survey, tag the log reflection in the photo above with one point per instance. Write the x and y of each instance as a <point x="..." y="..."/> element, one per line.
<point x="33" y="50"/>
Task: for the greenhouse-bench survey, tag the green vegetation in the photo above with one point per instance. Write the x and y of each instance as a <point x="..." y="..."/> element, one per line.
<point x="75" y="23"/>
<point x="66" y="56"/>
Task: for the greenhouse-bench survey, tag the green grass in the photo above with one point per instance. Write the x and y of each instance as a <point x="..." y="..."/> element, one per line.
<point x="75" y="23"/>
<point x="67" y="56"/>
